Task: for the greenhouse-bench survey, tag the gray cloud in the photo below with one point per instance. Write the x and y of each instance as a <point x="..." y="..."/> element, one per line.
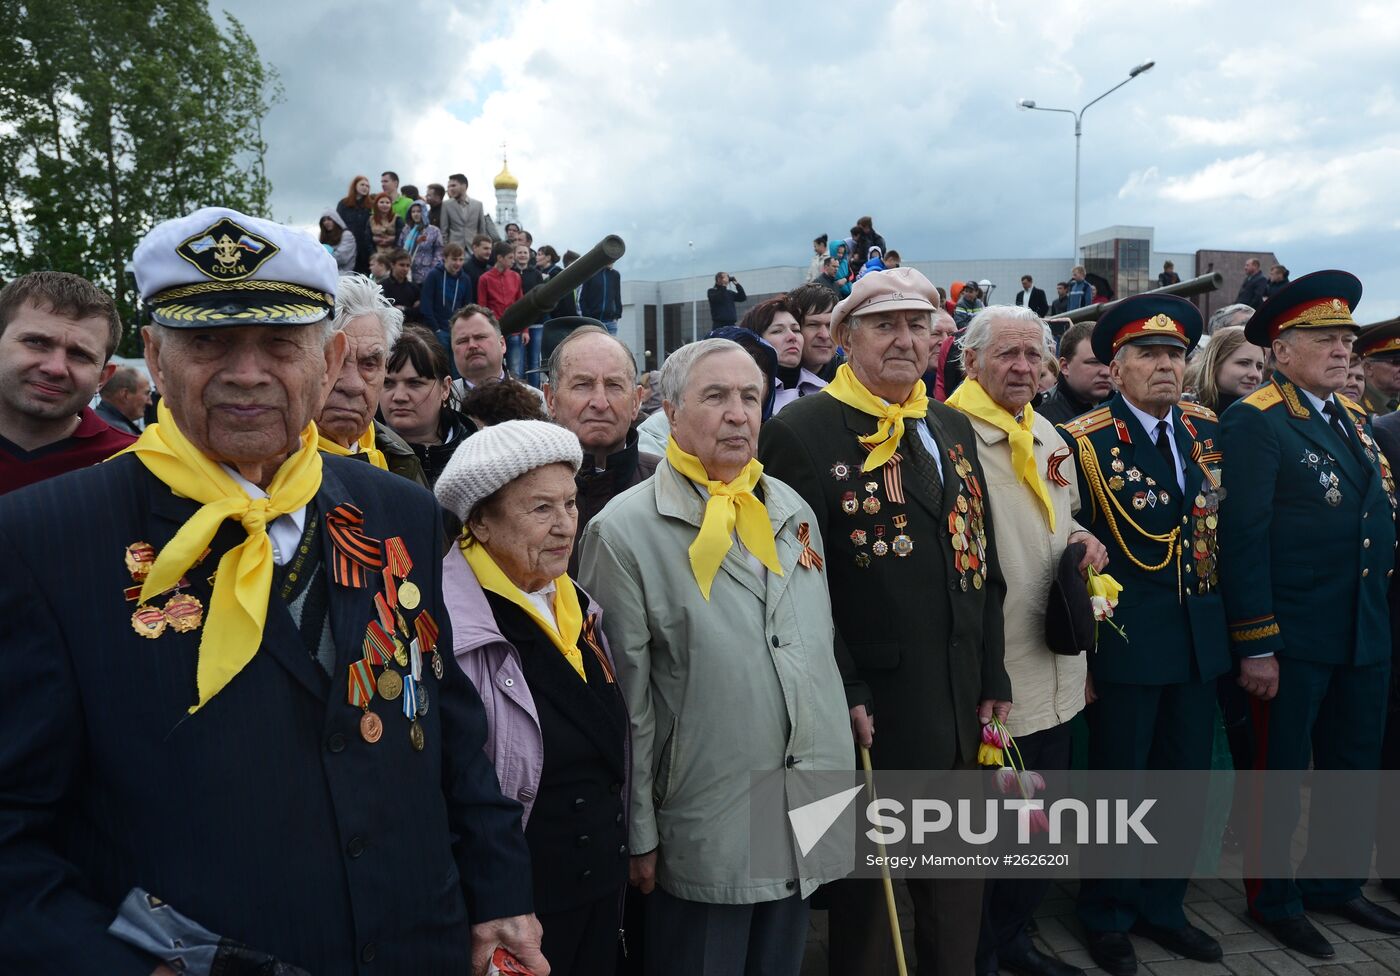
<point x="748" y="129"/>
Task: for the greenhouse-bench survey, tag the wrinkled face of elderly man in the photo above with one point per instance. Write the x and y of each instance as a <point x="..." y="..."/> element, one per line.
<point x="719" y="412"/>
<point x="1315" y="359"/>
<point x="243" y="394"/>
<point x="597" y="397"/>
<point x="1008" y="365"/>
<point x="349" y="409"/>
<point x="888" y="351"/>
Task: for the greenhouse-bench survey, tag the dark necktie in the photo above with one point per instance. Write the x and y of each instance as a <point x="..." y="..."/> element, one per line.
<point x="921" y="463"/>
<point x="1334" y="417"/>
<point x="1164" y="446"/>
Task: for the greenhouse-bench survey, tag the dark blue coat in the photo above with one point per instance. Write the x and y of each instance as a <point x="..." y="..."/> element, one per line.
<point x="1173" y="618"/>
<point x="1304" y="578"/>
<point x="264" y="816"/>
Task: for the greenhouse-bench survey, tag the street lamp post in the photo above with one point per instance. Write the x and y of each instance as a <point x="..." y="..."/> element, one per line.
<point x="1028" y="104"/>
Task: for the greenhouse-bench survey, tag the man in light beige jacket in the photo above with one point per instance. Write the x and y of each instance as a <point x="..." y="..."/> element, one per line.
<point x="1032" y="490"/>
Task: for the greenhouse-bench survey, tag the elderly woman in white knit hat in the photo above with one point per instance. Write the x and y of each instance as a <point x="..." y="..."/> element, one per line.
<point x="530" y="640"/>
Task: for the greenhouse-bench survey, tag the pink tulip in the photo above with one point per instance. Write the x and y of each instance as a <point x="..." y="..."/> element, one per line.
<point x="1007" y="781"/>
<point x="1039" y="822"/>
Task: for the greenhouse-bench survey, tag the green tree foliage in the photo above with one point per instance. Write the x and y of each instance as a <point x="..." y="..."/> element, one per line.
<point x="115" y="115"/>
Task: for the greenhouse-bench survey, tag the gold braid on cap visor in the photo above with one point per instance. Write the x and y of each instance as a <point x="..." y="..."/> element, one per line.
<point x="207" y="287"/>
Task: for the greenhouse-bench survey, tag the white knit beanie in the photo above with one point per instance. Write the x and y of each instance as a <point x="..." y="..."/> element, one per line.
<point x="495" y="456"/>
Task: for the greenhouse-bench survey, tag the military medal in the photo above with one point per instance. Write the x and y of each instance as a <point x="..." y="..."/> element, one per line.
<point x="400" y="652"/>
<point x="1333" y="496"/>
<point x="409" y="595"/>
<point x="1134" y="475"/>
<point x="858" y="538"/>
<point x="140" y="557"/>
<point x="415" y="661"/>
<point x="390" y="684"/>
<point x="371" y="728"/>
<point x="422" y="700"/>
<point x="862" y="560"/>
<point x="1118" y="465"/>
<point x="841" y="471"/>
<point x="379" y="647"/>
<point x="148" y="621"/>
<point x="437" y="665"/>
<point x="1140" y="500"/>
<point x="184" y="612"/>
<point x="386" y="615"/>
<point x="396" y="557"/>
<point x="880" y="547"/>
<point x="415" y="736"/>
<point x="1116" y="483"/>
<point x="902" y="544"/>
<point x="849" y="505"/>
<point x="871" y="504"/>
<point x="410" y="698"/>
<point x="1163" y="496"/>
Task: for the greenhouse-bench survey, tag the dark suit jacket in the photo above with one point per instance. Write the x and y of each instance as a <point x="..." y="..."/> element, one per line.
<point x="1175" y="624"/>
<point x="264" y="816"/>
<point x="1038" y="303"/>
<point x="910" y="640"/>
<point x="1302" y="577"/>
<point x="1253" y="291"/>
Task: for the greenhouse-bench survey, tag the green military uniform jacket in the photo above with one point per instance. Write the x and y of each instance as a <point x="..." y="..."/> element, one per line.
<point x="1374" y="402"/>
<point x="1161" y="543"/>
<point x="1307" y="533"/>
<point x="918" y="636"/>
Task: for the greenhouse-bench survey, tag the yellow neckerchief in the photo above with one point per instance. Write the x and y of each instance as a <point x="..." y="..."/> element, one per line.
<point x="567" y="612"/>
<point x="846" y="388"/>
<point x="731" y="505"/>
<point x="973" y="400"/>
<point x="366" y="444"/>
<point x="238" y="606"/>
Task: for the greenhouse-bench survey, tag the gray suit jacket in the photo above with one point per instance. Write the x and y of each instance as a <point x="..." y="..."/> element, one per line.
<point x="461" y="221"/>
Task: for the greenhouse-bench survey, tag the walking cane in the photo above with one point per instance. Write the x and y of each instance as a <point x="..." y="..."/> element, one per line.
<point x="885" y="875"/>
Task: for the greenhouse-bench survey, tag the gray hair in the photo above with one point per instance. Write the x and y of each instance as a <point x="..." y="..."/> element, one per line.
<point x="556" y="358"/>
<point x="675" y="372"/>
<point x="357" y="295"/>
<point x="1224" y="316"/>
<point x="979" y="331"/>
<point x="124" y="379"/>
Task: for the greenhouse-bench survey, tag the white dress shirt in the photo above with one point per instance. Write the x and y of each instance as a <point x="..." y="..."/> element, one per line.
<point x="285" y="531"/>
<point x="1149" y="424"/>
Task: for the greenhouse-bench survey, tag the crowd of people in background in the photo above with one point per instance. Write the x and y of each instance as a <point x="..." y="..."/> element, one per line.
<point x="600" y="564"/>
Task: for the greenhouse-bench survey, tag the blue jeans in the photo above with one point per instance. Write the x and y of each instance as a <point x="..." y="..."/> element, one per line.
<point x="515" y="355"/>
<point x="534" y="377"/>
<point x="611" y="326"/>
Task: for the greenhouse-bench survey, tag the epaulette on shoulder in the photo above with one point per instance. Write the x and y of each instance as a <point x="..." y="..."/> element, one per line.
<point x="1192" y="409"/>
<point x="1087" y="423"/>
<point x="1265" y="397"/>
<point x="1357" y="411"/>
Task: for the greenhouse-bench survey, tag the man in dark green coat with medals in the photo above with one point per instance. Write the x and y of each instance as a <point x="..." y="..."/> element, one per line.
<point x="1307" y="551"/>
<point x="1149" y="475"/>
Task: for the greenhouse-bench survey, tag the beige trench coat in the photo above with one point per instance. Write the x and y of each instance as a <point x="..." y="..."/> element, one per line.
<point x="1046" y="688"/>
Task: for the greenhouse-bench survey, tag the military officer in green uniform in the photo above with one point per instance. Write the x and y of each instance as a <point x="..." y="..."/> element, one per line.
<point x="1307" y="549"/>
<point x="1380" y="358"/>
<point x="1149" y="475"/>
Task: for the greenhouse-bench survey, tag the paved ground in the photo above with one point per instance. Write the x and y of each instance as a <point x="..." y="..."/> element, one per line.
<point x="1216" y="906"/>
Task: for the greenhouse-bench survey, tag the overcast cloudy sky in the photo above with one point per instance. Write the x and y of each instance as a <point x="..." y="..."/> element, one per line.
<point x="748" y="128"/>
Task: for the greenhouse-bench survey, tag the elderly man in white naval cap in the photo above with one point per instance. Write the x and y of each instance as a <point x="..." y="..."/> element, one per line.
<point x="231" y="709"/>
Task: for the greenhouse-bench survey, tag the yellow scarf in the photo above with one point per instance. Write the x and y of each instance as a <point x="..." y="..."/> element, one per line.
<point x="238" y="607"/>
<point x="731" y="505"/>
<point x="366" y="443"/>
<point x="846" y="388"/>
<point x="567" y="611"/>
<point x="973" y="400"/>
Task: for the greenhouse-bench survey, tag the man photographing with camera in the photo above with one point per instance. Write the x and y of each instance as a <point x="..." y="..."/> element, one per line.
<point x="723" y="301"/>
